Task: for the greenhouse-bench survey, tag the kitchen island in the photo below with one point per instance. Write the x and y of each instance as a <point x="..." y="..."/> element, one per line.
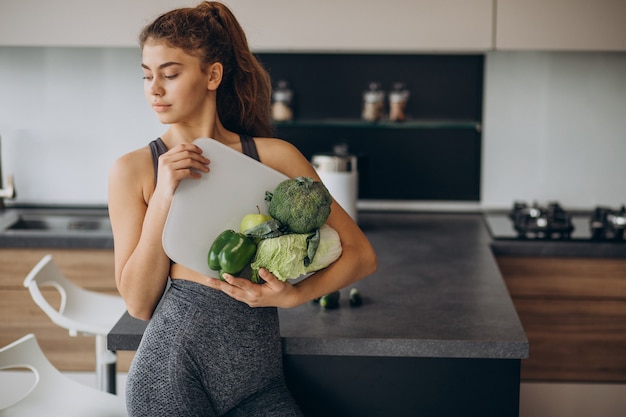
<point x="436" y="335"/>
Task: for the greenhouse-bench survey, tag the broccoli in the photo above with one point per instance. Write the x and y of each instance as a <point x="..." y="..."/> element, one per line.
<point x="300" y="203"/>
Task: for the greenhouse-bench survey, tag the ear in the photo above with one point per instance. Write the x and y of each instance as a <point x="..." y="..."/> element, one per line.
<point x="215" y="72"/>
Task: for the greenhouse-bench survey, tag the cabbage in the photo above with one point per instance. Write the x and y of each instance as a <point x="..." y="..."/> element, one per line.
<point x="284" y="255"/>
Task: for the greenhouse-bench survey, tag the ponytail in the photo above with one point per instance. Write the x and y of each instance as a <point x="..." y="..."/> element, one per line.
<point x="211" y="32"/>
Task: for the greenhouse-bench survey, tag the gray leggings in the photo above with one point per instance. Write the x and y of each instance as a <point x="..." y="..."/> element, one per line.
<point x="206" y="354"/>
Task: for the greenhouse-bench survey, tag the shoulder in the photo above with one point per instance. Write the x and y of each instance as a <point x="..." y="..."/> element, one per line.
<point x="132" y="162"/>
<point x="283" y="156"/>
<point x="273" y="149"/>
<point x="132" y="170"/>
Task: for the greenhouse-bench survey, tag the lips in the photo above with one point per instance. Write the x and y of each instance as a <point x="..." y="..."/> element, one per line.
<point x="160" y="107"/>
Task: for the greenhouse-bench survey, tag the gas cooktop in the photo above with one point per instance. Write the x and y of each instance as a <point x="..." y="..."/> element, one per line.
<point x="553" y="222"/>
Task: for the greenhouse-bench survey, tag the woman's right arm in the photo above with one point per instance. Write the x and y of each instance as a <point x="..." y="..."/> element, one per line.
<point x="138" y="216"/>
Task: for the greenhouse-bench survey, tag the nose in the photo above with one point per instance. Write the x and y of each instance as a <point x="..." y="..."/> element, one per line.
<point x="155" y="88"/>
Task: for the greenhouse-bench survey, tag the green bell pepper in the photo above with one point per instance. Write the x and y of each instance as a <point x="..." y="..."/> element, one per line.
<point x="230" y="253"/>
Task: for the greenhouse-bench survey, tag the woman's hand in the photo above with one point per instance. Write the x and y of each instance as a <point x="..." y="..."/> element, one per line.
<point x="180" y="162"/>
<point x="273" y="293"/>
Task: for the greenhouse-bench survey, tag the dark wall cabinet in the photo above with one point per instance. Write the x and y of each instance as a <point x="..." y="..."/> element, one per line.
<point x="434" y="155"/>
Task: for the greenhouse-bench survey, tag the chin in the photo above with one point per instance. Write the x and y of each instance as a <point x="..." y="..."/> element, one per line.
<point x="165" y="120"/>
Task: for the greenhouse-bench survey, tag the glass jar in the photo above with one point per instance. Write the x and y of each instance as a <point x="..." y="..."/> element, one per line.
<point x="373" y="101"/>
<point x="398" y="98"/>
<point x="282" y="102"/>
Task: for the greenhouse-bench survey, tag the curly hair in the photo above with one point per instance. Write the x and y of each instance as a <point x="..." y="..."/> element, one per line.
<point x="211" y="33"/>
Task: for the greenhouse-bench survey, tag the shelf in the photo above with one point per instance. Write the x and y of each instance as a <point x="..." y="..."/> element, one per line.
<point x="362" y="124"/>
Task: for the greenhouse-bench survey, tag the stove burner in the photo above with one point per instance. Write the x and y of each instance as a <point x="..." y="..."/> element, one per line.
<point x="608" y="224"/>
<point x="535" y="222"/>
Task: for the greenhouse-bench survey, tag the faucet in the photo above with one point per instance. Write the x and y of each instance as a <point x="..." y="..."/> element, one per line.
<point x="9" y="190"/>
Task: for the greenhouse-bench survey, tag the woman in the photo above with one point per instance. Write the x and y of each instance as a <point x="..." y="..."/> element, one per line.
<point x="212" y="348"/>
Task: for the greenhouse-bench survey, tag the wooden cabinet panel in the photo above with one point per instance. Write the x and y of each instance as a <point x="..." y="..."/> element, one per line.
<point x="89" y="268"/>
<point x="564" y="277"/>
<point x="92" y="269"/>
<point x="574" y="314"/>
<point x="574" y="340"/>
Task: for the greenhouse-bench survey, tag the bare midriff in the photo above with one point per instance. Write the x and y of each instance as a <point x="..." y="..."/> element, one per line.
<point x="178" y="271"/>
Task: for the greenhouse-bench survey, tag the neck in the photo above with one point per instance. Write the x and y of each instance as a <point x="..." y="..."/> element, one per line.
<point x="182" y="133"/>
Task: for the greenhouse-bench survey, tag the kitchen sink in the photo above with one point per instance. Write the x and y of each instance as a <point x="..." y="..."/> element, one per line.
<point x="55" y="222"/>
<point x="61" y="223"/>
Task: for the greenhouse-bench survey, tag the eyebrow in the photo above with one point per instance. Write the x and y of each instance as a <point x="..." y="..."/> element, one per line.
<point x="164" y="65"/>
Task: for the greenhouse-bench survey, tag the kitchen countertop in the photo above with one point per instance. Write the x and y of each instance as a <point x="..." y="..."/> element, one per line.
<point x="75" y="239"/>
<point x="437" y="293"/>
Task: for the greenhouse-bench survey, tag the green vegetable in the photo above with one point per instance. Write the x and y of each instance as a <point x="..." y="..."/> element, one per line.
<point x="330" y="300"/>
<point x="300" y="203"/>
<point x="285" y="256"/>
<point x="270" y="228"/>
<point x="355" y="297"/>
<point x="230" y="253"/>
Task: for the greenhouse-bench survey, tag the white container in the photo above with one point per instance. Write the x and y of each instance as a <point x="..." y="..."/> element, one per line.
<point x="339" y="174"/>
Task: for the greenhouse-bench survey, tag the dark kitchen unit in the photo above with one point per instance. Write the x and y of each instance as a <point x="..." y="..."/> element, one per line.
<point x="565" y="271"/>
<point x="433" y="154"/>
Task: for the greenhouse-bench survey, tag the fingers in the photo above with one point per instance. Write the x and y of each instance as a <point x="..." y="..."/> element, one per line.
<point x="238" y="288"/>
<point x="255" y="295"/>
<point x="183" y="161"/>
<point x="187" y="156"/>
<point x="269" y="278"/>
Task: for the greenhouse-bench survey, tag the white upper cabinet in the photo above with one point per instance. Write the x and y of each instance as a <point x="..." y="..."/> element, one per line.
<point x="580" y="25"/>
<point x="271" y="25"/>
<point x="367" y="25"/>
<point x="338" y="25"/>
<point x="77" y="22"/>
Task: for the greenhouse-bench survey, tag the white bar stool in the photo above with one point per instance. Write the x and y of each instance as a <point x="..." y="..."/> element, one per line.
<point x="81" y="311"/>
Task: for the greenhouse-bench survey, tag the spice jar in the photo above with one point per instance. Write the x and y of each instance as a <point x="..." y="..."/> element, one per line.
<point x="282" y="98"/>
<point x="373" y="101"/>
<point x="398" y="98"/>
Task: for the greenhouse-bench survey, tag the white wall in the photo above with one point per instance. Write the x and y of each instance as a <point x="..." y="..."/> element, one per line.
<point x="65" y="115"/>
<point x="555" y="128"/>
<point x="554" y="124"/>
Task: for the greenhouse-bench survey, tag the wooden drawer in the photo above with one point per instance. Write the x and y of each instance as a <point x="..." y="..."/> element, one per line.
<point x="90" y="268"/>
<point x="574" y="315"/>
<point x="574" y="340"/>
<point x="564" y="277"/>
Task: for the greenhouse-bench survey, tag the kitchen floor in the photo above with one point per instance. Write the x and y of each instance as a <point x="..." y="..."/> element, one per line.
<point x="536" y="399"/>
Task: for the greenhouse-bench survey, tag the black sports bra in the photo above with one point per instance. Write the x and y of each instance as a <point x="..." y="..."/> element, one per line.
<point x="157" y="148"/>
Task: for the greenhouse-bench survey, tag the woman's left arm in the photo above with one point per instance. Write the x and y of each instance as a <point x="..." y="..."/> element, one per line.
<point x="357" y="260"/>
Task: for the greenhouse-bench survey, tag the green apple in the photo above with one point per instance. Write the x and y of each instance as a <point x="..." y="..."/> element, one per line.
<point x="253" y="219"/>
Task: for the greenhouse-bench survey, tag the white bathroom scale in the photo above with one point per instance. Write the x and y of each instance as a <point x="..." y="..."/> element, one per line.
<point x="202" y="209"/>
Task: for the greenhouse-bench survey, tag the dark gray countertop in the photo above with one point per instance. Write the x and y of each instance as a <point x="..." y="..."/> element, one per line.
<point x="437" y="293"/>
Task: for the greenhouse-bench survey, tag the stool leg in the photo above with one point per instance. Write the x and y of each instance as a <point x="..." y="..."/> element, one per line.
<point x="106" y="364"/>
